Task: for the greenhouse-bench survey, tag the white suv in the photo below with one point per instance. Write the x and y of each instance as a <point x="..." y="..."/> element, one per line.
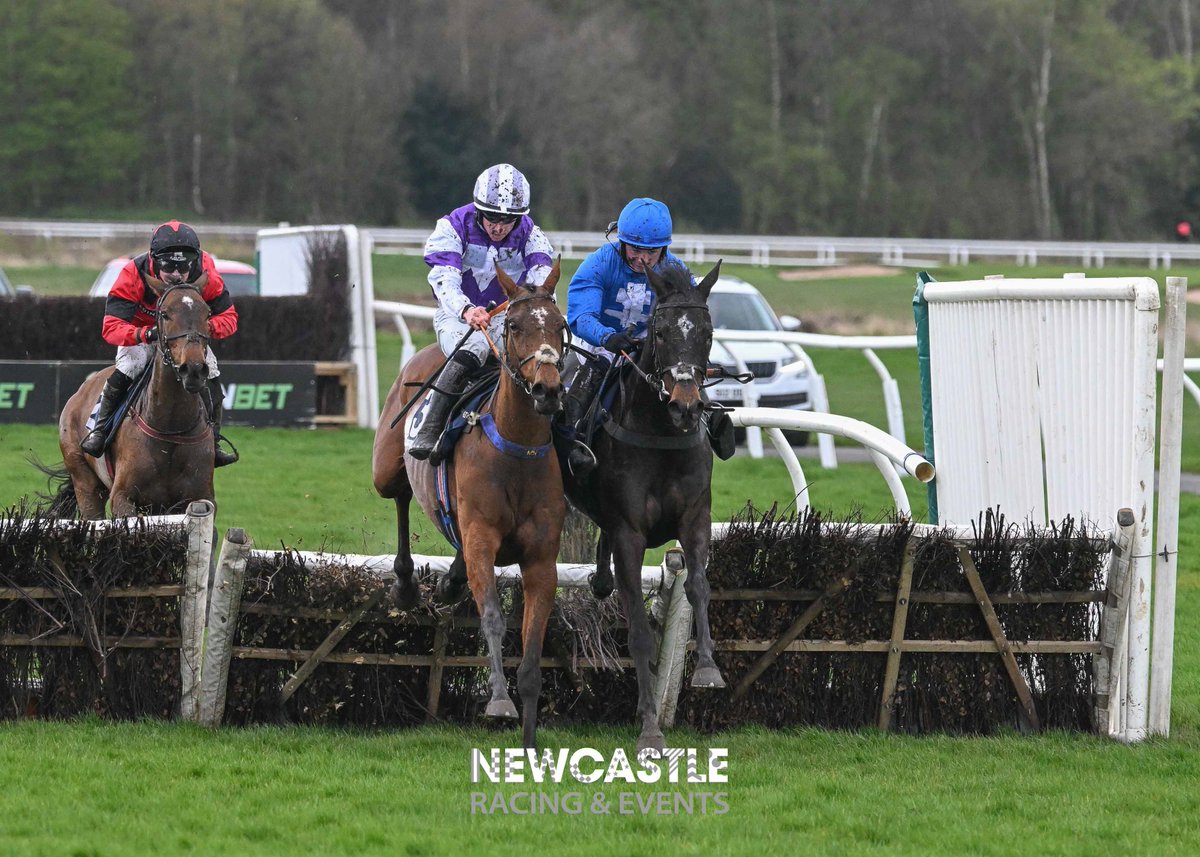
<point x="781" y="374"/>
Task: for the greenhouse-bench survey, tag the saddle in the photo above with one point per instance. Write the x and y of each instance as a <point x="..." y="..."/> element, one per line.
<point x="480" y="387"/>
<point x="118" y="416"/>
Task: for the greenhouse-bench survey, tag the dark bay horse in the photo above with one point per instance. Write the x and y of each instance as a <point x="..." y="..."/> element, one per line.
<point x="162" y="454"/>
<point x="652" y="482"/>
<point x="503" y="485"/>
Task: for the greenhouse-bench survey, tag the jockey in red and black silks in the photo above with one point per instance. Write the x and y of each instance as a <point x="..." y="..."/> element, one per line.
<point x="129" y="312"/>
<point x="175" y="258"/>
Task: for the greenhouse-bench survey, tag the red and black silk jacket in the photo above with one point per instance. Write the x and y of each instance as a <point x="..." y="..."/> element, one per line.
<point x="129" y="312"/>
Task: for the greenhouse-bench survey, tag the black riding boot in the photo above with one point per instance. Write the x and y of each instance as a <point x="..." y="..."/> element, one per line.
<point x="216" y="410"/>
<point x="582" y="460"/>
<point x="721" y="434"/>
<point x="442" y="396"/>
<point x="114" y="391"/>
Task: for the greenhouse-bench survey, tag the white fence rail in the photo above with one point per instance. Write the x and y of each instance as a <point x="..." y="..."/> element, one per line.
<point x="764" y="250"/>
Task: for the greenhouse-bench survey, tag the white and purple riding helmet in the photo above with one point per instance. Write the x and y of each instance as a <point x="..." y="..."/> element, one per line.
<point x="502" y="189"/>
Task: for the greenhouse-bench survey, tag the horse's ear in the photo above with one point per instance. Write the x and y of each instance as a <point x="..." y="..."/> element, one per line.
<point x="656" y="282"/>
<point x="201" y="282"/>
<point x="547" y="286"/>
<point x="506" y="282"/>
<point x="710" y="280"/>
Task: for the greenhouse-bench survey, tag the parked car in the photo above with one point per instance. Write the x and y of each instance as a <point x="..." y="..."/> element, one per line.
<point x="8" y="290"/>
<point x="781" y="374"/>
<point x="240" y="278"/>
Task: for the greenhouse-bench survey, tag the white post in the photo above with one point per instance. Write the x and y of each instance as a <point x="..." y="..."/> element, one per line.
<point x="1145" y="360"/>
<point x="754" y="443"/>
<point x="193" y="605"/>
<point x="1166" y="546"/>
<point x="223" y="612"/>
<point x="891" y="395"/>
<point x="820" y="404"/>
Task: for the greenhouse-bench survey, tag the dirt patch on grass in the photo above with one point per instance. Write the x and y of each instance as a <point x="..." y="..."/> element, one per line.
<point x="840" y="323"/>
<point x="839" y="272"/>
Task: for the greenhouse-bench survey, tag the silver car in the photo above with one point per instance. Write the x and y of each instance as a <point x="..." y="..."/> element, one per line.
<point x="781" y="374"/>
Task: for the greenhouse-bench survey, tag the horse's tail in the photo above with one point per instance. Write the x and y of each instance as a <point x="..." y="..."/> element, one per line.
<point x="59" y="500"/>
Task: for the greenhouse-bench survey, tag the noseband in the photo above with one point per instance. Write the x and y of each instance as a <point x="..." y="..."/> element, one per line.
<point x="544" y="354"/>
<point x="164" y="341"/>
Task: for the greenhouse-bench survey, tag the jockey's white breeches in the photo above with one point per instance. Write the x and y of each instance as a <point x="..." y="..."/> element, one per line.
<point x="132" y="359"/>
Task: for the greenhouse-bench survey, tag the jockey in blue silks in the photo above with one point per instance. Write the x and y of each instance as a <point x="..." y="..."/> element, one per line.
<point x="466" y="247"/>
<point x="609" y="303"/>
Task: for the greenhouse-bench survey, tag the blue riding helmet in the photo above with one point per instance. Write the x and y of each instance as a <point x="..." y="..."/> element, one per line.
<point x="645" y="222"/>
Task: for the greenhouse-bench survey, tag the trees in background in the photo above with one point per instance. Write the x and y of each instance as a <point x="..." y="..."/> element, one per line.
<point x="979" y="118"/>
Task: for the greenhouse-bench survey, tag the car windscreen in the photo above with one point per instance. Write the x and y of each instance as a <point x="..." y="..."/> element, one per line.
<point x="733" y="311"/>
<point x="241" y="284"/>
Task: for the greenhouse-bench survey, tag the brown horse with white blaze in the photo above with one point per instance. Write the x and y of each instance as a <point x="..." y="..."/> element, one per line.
<point x="504" y="485"/>
<point x="162" y="453"/>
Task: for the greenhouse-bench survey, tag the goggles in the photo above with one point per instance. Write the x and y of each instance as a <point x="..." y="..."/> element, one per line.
<point x="499" y="219"/>
<point x="175" y="260"/>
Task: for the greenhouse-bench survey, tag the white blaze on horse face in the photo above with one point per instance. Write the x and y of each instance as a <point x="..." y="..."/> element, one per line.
<point x="187" y="301"/>
<point x="541" y="315"/>
<point x="685" y="326"/>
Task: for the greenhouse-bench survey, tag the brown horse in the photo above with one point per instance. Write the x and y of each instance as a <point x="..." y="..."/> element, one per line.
<point x="504" y="487"/>
<point x="162" y="453"/>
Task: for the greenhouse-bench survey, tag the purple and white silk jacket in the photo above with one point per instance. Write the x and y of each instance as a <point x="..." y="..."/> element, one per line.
<point x="462" y="260"/>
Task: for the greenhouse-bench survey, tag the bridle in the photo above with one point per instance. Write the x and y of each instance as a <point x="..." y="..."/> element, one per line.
<point x="681" y="370"/>
<point x="544" y="353"/>
<point x="164" y="341"/>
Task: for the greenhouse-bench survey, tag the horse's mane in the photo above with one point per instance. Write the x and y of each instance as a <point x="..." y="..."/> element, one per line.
<point x="677" y="277"/>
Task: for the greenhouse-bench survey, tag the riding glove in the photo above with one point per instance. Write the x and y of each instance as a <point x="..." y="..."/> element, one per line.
<point x="620" y="341"/>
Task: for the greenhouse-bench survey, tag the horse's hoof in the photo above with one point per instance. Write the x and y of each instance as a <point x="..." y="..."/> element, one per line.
<point x="651" y="742"/>
<point x="602" y="585"/>
<point x="707" y="677"/>
<point x="449" y="591"/>
<point x="502" y="708"/>
<point x="404" y="597"/>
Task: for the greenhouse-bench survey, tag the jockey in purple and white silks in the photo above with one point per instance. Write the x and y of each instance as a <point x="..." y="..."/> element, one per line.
<point x="466" y="246"/>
